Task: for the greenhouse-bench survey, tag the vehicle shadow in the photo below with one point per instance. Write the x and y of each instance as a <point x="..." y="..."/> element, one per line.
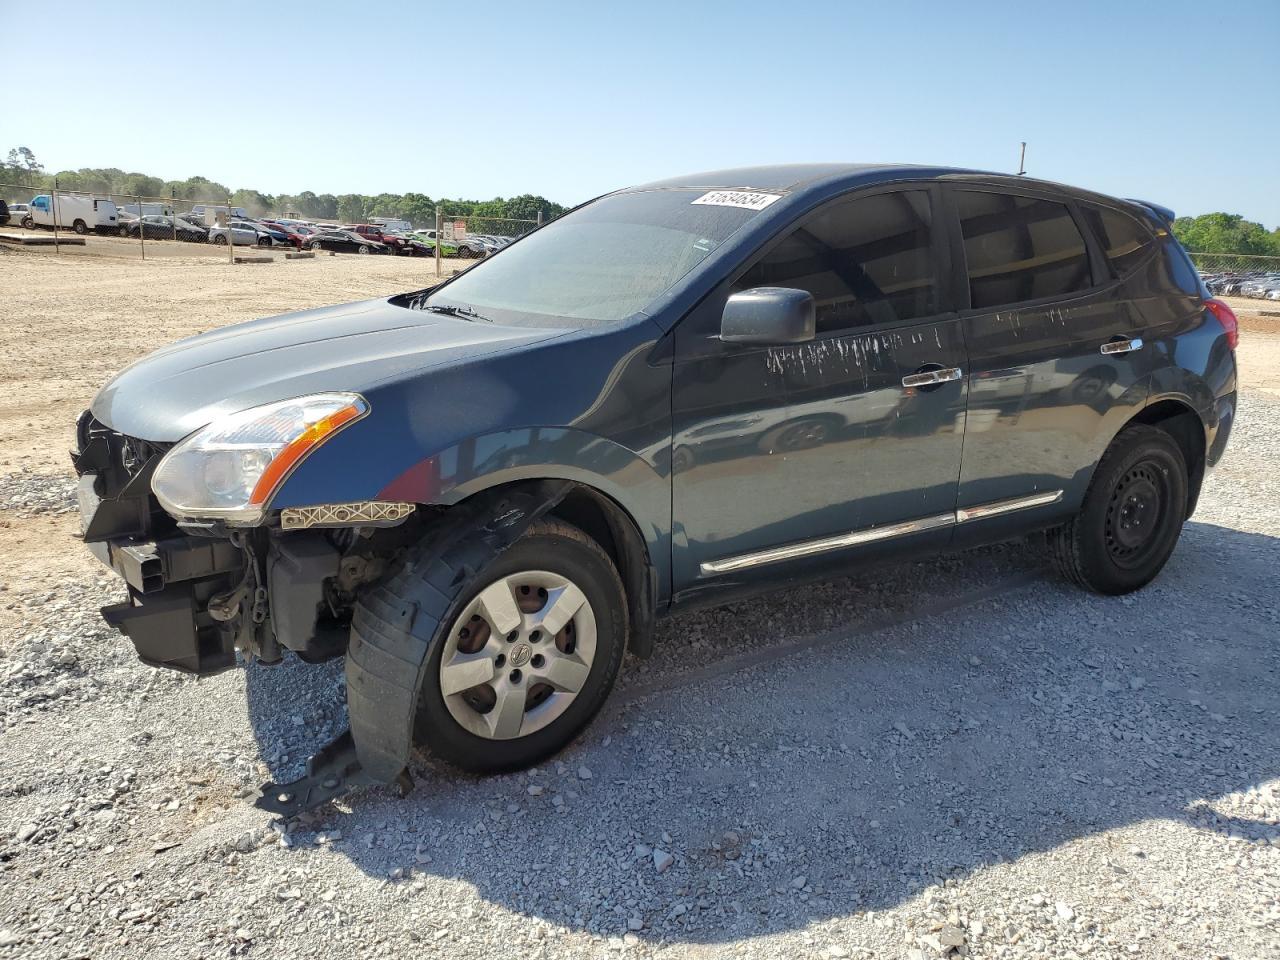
<point x="905" y="733"/>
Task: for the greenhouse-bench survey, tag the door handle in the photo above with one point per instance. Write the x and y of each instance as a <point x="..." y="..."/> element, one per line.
<point x="1121" y="345"/>
<point x="928" y="378"/>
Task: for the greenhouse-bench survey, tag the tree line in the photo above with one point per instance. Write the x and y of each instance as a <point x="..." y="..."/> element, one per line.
<point x="22" y="169"/>
<point x="1207" y="233"/>
<point x="1226" y="233"/>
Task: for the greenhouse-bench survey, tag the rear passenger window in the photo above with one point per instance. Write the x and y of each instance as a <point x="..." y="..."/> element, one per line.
<point x="866" y="261"/>
<point x="1020" y="248"/>
<point x="1124" y="239"/>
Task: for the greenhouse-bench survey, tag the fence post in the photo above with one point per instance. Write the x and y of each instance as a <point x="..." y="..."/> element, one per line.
<point x="439" y="238"/>
<point x="53" y="212"/>
<point x="539" y="216"/>
<point x="231" y="236"/>
<point x="173" y="212"/>
<point x="142" y="230"/>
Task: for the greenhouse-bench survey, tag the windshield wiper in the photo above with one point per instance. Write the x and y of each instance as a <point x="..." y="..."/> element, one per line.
<point x="465" y="312"/>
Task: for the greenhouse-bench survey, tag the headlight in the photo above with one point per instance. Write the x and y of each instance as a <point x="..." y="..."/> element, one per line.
<point x="230" y="469"/>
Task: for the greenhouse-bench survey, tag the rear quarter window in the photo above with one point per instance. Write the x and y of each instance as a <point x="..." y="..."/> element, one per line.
<point x="1020" y="248"/>
<point x="1125" y="241"/>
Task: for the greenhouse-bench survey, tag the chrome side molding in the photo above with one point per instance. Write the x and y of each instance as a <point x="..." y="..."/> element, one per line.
<point x="855" y="538"/>
<point x="982" y="511"/>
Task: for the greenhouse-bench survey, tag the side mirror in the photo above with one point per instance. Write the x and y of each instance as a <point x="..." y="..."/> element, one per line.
<point x="769" y="315"/>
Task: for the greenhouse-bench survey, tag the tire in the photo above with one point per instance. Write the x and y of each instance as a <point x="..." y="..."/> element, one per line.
<point x="314" y="245"/>
<point x="363" y="248"/>
<point x="28" y="223"/>
<point x="123" y="231"/>
<point x="1131" y="518"/>
<point x="80" y="227"/>
<point x="550" y="552"/>
<point x="220" y="238"/>
<point x="264" y="241"/>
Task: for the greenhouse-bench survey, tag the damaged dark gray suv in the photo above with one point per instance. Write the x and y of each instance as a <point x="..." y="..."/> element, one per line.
<point x="482" y="494"/>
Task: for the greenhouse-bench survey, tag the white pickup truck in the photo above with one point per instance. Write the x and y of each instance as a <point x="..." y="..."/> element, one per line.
<point x="78" y="212"/>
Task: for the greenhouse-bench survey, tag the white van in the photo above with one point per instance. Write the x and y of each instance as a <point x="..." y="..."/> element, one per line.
<point x="207" y="215"/>
<point x="80" y="212"/>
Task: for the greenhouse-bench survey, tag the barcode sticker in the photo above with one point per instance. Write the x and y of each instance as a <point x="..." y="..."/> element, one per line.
<point x="737" y="198"/>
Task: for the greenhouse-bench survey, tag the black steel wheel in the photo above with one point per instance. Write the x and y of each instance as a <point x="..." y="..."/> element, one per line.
<point x="1132" y="514"/>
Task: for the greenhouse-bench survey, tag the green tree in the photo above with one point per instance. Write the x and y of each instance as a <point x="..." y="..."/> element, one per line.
<point x="351" y="208"/>
<point x="1226" y="233"/>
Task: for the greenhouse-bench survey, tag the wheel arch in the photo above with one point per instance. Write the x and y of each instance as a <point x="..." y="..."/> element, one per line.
<point x="1178" y="418"/>
<point x="610" y="524"/>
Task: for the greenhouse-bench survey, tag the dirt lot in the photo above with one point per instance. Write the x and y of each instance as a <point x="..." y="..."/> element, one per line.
<point x="956" y="755"/>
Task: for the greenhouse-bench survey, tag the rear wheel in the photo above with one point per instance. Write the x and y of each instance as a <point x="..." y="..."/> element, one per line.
<point x="220" y="238"/>
<point x="264" y="241"/>
<point x="80" y="227"/>
<point x="363" y="248"/>
<point x="527" y="654"/>
<point x="1132" y="515"/>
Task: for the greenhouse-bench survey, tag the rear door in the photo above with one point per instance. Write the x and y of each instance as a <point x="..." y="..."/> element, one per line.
<point x="1054" y="357"/>
<point x="799" y="457"/>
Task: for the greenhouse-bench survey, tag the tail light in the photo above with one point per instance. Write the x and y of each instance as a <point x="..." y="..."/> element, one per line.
<point x="1227" y="317"/>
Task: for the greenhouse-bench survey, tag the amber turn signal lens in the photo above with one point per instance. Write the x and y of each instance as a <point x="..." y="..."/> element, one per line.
<point x="293" y="452"/>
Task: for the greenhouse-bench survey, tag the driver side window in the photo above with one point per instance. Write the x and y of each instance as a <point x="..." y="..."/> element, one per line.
<point x="867" y="261"/>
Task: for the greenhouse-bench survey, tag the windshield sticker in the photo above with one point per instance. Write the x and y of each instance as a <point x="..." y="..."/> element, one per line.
<point x="737" y="198"/>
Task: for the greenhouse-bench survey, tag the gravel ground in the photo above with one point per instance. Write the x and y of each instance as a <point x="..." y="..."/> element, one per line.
<point x="959" y="756"/>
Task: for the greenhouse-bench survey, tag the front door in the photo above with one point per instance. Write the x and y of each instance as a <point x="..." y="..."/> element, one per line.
<point x="792" y="458"/>
<point x="1054" y="355"/>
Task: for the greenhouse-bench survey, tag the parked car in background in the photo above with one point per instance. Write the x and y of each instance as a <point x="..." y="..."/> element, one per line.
<point x="392" y="225"/>
<point x="79" y="212"/>
<point x="237" y="236"/>
<point x="165" y="228"/>
<point x="291" y="232"/>
<point x="4" y="213"/>
<point x="345" y="481"/>
<point x="345" y="241"/>
<point x="428" y="237"/>
<point x="18" y="212"/>
<point x="470" y="248"/>
<point x="267" y="236"/>
<point x="396" y="243"/>
<point x="207" y="214"/>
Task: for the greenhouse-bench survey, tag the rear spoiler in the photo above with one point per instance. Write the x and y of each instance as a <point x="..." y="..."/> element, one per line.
<point x="1159" y="212"/>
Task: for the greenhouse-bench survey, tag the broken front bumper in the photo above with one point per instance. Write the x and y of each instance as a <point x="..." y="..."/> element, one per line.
<point x="171" y="580"/>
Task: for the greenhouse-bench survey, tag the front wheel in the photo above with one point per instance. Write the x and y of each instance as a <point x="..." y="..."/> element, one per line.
<point x="220" y="238"/>
<point x="1132" y="515"/>
<point x="264" y="241"/>
<point x="527" y="653"/>
<point x="27" y="223"/>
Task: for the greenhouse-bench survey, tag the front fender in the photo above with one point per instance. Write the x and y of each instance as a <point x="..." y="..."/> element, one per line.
<point x="353" y="468"/>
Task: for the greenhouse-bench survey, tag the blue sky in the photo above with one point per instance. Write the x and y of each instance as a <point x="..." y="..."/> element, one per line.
<point x="1166" y="101"/>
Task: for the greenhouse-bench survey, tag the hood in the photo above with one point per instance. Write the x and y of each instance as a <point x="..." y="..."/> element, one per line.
<point x="184" y="386"/>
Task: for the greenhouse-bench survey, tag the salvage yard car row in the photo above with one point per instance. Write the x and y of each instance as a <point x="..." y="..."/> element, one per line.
<point x="232" y="225"/>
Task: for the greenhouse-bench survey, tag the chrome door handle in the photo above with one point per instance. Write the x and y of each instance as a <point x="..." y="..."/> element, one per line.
<point x="1122" y="346"/>
<point x="930" y="377"/>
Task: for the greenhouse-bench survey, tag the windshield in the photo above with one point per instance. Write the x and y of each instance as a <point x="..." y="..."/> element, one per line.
<point x="601" y="263"/>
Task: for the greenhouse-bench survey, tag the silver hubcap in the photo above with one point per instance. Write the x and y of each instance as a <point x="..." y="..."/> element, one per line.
<point x="518" y="655"/>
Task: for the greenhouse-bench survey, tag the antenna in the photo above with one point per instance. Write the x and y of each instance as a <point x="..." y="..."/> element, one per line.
<point x="1022" y="160"/>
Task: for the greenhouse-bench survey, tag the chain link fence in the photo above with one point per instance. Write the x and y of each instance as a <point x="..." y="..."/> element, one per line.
<point x="129" y="225"/>
<point x="1240" y="275"/>
<point x="134" y="226"/>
